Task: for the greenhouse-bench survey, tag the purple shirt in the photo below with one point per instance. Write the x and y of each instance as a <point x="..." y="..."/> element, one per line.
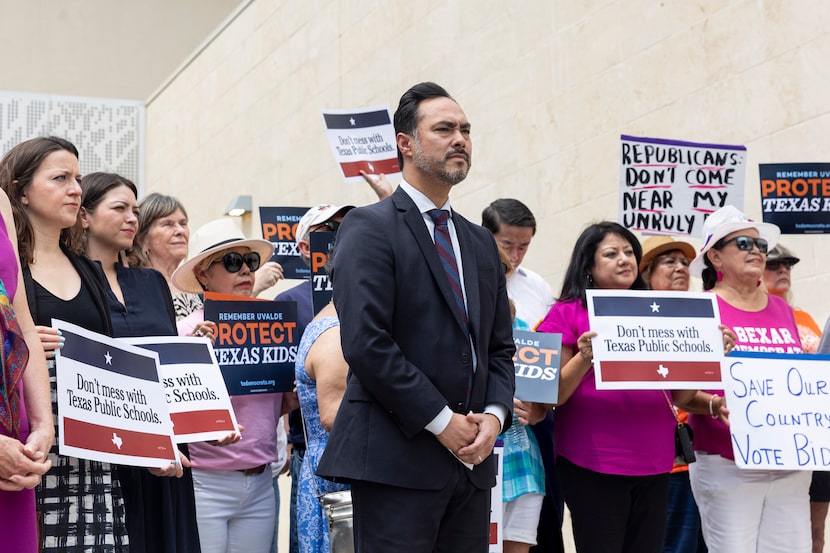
<point x="623" y="432"/>
<point x="772" y="329"/>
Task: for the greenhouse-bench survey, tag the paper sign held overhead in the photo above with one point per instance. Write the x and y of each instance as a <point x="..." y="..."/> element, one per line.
<point x="362" y="139"/>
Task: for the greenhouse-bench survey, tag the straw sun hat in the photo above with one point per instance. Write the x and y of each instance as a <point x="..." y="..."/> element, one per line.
<point x="210" y="238"/>
<point x="724" y="222"/>
<point x="656" y="245"/>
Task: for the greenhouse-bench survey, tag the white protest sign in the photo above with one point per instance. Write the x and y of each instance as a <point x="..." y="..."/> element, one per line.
<point x="111" y="404"/>
<point x="496" y="502"/>
<point x="362" y="139"/>
<point x="671" y="186"/>
<point x="779" y="410"/>
<point x="199" y="404"/>
<point x="655" y="340"/>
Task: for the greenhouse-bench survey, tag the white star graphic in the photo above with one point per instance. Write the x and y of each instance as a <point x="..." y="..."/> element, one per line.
<point x="108" y="358"/>
<point x="655" y="307"/>
<point x="351" y="120"/>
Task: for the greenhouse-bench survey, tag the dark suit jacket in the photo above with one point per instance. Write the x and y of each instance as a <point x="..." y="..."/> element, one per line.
<point x="407" y="352"/>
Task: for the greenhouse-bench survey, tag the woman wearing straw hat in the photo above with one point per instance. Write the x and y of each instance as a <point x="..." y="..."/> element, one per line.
<point x="745" y="510"/>
<point x="665" y="266"/>
<point x="235" y="507"/>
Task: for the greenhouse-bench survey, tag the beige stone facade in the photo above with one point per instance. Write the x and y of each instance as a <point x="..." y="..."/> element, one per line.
<point x="548" y="85"/>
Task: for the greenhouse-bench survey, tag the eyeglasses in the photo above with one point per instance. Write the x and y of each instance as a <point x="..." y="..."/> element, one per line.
<point x="232" y="261"/>
<point x="332" y="226"/>
<point x="777" y="264"/>
<point x="746" y="243"/>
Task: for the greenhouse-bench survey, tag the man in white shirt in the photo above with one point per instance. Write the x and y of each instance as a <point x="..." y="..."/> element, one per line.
<point x="513" y="226"/>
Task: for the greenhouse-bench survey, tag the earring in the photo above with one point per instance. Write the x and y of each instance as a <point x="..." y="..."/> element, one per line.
<point x="589" y="279"/>
<point x="720" y="276"/>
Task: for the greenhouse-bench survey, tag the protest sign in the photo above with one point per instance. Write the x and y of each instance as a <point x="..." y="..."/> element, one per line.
<point x="199" y="405"/>
<point x="321" y="244"/>
<point x="279" y="226"/>
<point x="796" y="196"/>
<point x="779" y="410"/>
<point x="362" y="139"/>
<point x="256" y="343"/>
<point x="655" y="339"/>
<point x="670" y="187"/>
<point x="496" y="506"/>
<point x="537" y="366"/>
<point x="111" y="404"/>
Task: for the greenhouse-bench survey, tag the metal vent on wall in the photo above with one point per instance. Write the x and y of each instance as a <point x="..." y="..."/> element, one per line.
<point x="109" y="134"/>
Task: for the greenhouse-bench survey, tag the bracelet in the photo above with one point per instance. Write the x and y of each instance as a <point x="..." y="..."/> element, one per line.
<point x="711" y="411"/>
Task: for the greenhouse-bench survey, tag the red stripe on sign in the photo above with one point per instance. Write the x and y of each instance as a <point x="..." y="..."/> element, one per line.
<point x="494" y="533"/>
<point x="86" y="435"/>
<point x="385" y="166"/>
<point x="209" y="420"/>
<point x="656" y="371"/>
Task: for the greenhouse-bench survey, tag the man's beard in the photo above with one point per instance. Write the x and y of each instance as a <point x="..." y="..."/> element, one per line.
<point x="437" y="169"/>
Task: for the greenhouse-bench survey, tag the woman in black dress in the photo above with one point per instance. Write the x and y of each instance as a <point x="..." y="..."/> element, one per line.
<point x="80" y="501"/>
<point x="161" y="511"/>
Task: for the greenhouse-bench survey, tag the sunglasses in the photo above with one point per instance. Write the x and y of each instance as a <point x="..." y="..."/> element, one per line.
<point x="775" y="265"/>
<point x="332" y="226"/>
<point x="232" y="261"/>
<point x="746" y="243"/>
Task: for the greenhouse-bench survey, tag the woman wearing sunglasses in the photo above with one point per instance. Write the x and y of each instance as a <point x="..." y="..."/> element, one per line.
<point x="161" y="512"/>
<point x="235" y="502"/>
<point x="745" y="511"/>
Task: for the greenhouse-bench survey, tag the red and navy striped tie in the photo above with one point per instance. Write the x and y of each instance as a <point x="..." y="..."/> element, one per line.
<point x="443" y="244"/>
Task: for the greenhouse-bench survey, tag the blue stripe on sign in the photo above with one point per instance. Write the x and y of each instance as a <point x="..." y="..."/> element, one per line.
<point x="623" y="306"/>
<point x="361" y="120"/>
<point x="173" y="354"/>
<point x="93" y="353"/>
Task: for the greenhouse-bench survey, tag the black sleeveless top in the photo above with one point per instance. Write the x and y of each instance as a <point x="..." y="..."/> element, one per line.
<point x="79" y="310"/>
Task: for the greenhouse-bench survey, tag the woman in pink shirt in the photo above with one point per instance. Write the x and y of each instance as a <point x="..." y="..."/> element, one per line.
<point x="615" y="448"/>
<point x="745" y="511"/>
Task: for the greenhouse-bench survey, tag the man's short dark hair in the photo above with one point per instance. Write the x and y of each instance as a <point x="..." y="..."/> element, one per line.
<point x="406" y="116"/>
<point x="507" y="211"/>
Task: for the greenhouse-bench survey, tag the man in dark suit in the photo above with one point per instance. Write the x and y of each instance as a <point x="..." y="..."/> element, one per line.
<point x="425" y="328"/>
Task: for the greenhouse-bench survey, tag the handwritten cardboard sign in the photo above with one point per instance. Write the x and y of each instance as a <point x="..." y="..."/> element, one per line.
<point x="670" y="186"/>
<point x="779" y="410"/>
